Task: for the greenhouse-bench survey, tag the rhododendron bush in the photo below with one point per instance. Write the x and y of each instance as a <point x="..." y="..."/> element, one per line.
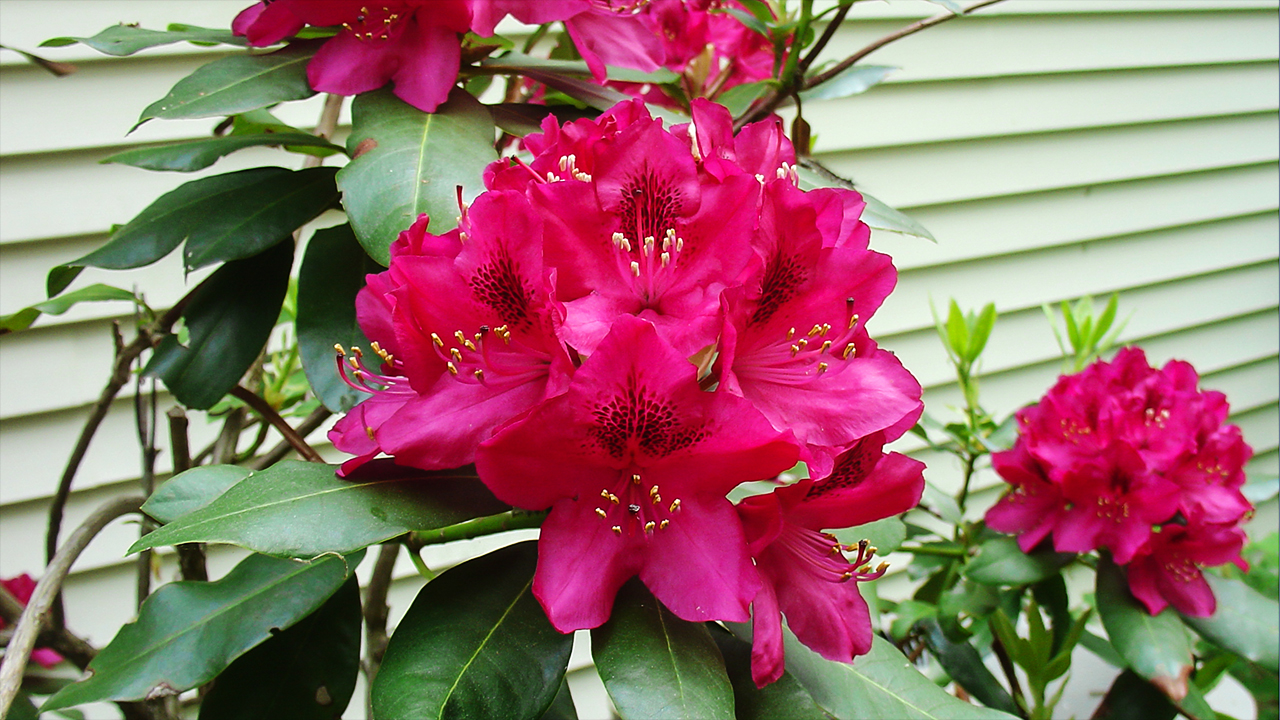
<point x="592" y="301"/>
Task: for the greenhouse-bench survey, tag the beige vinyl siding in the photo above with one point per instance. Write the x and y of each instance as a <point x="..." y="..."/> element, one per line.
<point x="1054" y="148"/>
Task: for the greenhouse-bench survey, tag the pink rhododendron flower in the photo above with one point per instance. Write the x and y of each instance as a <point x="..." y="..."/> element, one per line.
<point x="805" y="575"/>
<point x="21" y="587"/>
<point x="1137" y="461"/>
<point x="634" y="462"/>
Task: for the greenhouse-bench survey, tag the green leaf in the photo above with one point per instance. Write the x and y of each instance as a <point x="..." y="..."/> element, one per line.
<point x="656" y="665"/>
<point x="307" y="672"/>
<point x="885" y="535"/>
<point x="782" y="699"/>
<point x="189" y="491"/>
<point x="187" y="632"/>
<point x="1246" y="622"/>
<point x="228" y="320"/>
<point x="1000" y="561"/>
<point x="740" y="97"/>
<point x="1073" y="332"/>
<point x="951" y="5"/>
<point x="407" y="162"/>
<point x="963" y="663"/>
<point x="261" y="512"/>
<point x="562" y="707"/>
<point x="237" y="84"/>
<point x="957" y="331"/>
<point x="333" y="271"/>
<point x="199" y="154"/>
<point x="909" y="613"/>
<point x="121" y="40"/>
<point x="1132" y="698"/>
<point x="223" y="217"/>
<point x="1103" y="649"/>
<point x="982" y="331"/>
<point x="474" y="644"/>
<point x="1157" y="648"/>
<point x="852" y="81"/>
<point x="880" y="684"/>
<point x="941" y="503"/>
<point x="880" y="216"/>
<point x="23" y="319"/>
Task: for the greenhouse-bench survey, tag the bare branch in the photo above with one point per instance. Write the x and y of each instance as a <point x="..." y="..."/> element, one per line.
<point x="35" y="614"/>
<point x="327" y="124"/>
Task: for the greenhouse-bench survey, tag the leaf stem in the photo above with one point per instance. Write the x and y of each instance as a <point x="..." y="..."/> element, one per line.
<point x="268" y="413"/>
<point x="515" y="519"/>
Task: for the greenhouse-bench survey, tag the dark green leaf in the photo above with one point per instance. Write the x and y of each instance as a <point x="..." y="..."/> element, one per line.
<point x="852" y="81"/>
<point x="189" y="491"/>
<point x="876" y="214"/>
<point x="880" y="684"/>
<point x="223" y="217"/>
<point x="333" y="271"/>
<point x="909" y="613"/>
<point x="199" y="154"/>
<point x="22" y="319"/>
<point x="1051" y="594"/>
<point x="562" y="707"/>
<point x="262" y="511"/>
<point x="307" y="672"/>
<point x="656" y="665"/>
<point x="236" y="84"/>
<point x="1132" y="698"/>
<point x="1102" y="648"/>
<point x="740" y="97"/>
<point x="1246" y="622"/>
<point x="963" y="663"/>
<point x="58" y="69"/>
<point x="1000" y="561"/>
<point x="187" y="632"/>
<point x="228" y="320"/>
<point x="749" y="20"/>
<point x="1157" y="648"/>
<point x="407" y="162"/>
<point x="121" y="40"/>
<point x="474" y="644"/>
<point x="783" y="699"/>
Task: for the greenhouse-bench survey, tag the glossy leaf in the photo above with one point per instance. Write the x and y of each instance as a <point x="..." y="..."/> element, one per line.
<point x="97" y="292"/>
<point x="1156" y="647"/>
<point x="655" y="665"/>
<point x="882" y="217"/>
<point x="738" y="99"/>
<point x="963" y="663"/>
<point x="333" y="271"/>
<point x="187" y="632"/>
<point x="784" y="699"/>
<point x="562" y="707"/>
<point x="1132" y="698"/>
<point x="199" y="154"/>
<point x="236" y="84"/>
<point x="885" y="535"/>
<point x="852" y="81"/>
<point x="406" y="162"/>
<point x="1000" y="561"/>
<point x="1246" y="622"/>
<point x="879" y="684"/>
<point x="189" y="491"/>
<point x="307" y="672"/>
<point x="228" y="321"/>
<point x="121" y="40"/>
<point x="474" y="644"/>
<point x="263" y="511"/>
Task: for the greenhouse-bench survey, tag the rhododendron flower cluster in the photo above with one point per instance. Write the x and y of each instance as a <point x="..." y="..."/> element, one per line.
<point x="1136" y="461"/>
<point x="625" y="327"/>
<point x="416" y="45"/>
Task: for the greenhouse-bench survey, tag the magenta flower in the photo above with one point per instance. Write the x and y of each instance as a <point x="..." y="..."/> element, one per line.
<point x="473" y="335"/>
<point x="1136" y="461"/>
<point x="21" y="587"/>
<point x="805" y="575"/>
<point x="1168" y="572"/>
<point x="634" y="462"/>
<point x="795" y="342"/>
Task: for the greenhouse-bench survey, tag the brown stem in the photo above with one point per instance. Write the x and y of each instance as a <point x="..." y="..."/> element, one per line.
<point x="325" y="126"/>
<point x="269" y="414"/>
<point x="827" y="33"/>
<point x="35" y="615"/>
<point x="1006" y="664"/>
<point x="125" y="355"/>
<point x="191" y="557"/>
<point x="145" y="420"/>
<point x="375" y="605"/>
<point x="305" y="428"/>
<point x="770" y="101"/>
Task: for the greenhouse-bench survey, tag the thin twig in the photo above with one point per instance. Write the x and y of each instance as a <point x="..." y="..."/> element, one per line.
<point x="305" y="428"/>
<point x="191" y="557"/>
<point x="268" y="413"/>
<point x="770" y="101"/>
<point x="325" y="126"/>
<point x="125" y="355"/>
<point x="827" y="33"/>
<point x="145" y="420"/>
<point x="375" y="607"/>
<point x="35" y="615"/>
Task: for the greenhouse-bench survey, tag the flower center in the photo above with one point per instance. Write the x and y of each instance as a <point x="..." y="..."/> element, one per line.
<point x="636" y="421"/>
<point x="822" y="556"/>
<point x="636" y="507"/>
<point x="491" y="357"/>
<point x="791" y="358"/>
<point x="372" y="24"/>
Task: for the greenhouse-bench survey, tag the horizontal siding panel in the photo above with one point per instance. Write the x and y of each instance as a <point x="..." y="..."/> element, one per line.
<point x="990" y="44"/>
<point x="952" y="172"/>
<point x="964" y="109"/>
<point x="998" y="226"/>
<point x="1026" y="280"/>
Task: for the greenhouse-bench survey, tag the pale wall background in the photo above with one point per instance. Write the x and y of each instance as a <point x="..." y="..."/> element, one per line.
<point x="1054" y="147"/>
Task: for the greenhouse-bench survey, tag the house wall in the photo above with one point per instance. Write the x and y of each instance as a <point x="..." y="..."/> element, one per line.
<point x="1054" y="148"/>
